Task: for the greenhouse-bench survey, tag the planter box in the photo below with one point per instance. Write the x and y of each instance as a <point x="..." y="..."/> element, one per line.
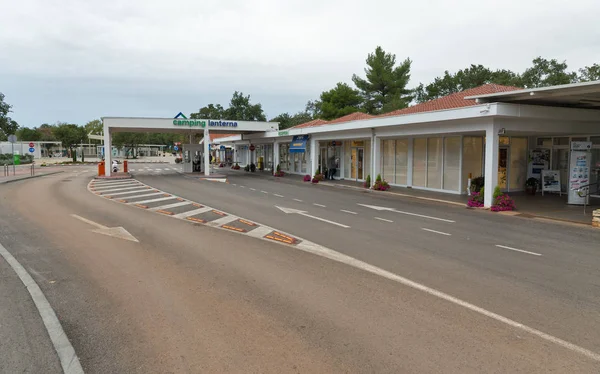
<point x="596" y="218"/>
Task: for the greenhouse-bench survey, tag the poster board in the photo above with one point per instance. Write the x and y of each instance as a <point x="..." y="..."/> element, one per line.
<point x="551" y="181"/>
<point x="539" y="160"/>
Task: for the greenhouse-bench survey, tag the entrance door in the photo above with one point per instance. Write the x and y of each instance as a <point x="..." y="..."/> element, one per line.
<point x="323" y="159"/>
<point x="502" y="168"/>
<point x="356" y="163"/>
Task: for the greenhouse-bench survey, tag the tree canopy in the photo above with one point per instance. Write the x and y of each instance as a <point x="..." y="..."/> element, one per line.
<point x="70" y="135"/>
<point x="240" y="109"/>
<point x="286" y="120"/>
<point x="384" y="88"/>
<point x="338" y="102"/>
<point x="7" y="125"/>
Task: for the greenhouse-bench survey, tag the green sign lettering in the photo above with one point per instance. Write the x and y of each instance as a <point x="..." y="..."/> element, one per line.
<point x="284" y="133"/>
<point x="189" y="122"/>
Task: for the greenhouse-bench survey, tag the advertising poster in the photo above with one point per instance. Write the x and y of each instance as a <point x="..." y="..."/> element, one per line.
<point x="551" y="181"/>
<point x="579" y="176"/>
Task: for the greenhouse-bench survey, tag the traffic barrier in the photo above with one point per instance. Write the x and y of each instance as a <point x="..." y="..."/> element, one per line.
<point x="101" y="170"/>
<point x="125" y="166"/>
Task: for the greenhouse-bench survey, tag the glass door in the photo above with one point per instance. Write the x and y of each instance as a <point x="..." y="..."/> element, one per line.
<point x="560" y="162"/>
<point x="502" y="168"/>
<point x="323" y="159"/>
<point x="356" y="163"/>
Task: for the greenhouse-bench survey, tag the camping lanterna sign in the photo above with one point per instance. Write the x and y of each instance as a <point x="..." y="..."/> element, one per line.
<point x="181" y="120"/>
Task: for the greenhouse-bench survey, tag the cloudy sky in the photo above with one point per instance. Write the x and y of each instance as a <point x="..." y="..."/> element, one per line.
<point x="76" y="60"/>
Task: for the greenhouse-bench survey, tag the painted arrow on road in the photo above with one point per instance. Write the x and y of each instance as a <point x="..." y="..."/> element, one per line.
<point x="407" y="213"/>
<point x="117" y="232"/>
<point x="303" y="213"/>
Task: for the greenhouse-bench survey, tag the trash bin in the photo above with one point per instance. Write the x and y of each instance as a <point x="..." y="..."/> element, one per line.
<point x="101" y="170"/>
<point x="125" y="166"/>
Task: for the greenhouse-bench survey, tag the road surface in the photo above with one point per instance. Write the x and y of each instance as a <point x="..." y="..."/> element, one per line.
<point x="186" y="297"/>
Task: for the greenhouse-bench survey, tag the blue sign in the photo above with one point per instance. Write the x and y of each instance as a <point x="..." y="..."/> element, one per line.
<point x="31" y="150"/>
<point x="298" y="144"/>
<point x="222" y="148"/>
<point x="176" y="148"/>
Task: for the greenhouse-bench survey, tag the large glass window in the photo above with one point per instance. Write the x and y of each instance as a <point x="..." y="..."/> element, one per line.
<point x="419" y="162"/>
<point x="388" y="160"/>
<point x="472" y="157"/>
<point x="518" y="163"/>
<point x="284" y="156"/>
<point x="401" y="161"/>
<point x="434" y="163"/>
<point x="451" y="163"/>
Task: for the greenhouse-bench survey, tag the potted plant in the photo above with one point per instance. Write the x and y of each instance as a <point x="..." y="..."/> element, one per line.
<point x="381" y="184"/>
<point x="307" y="178"/>
<point x="531" y="185"/>
<point x="368" y="182"/>
<point x="252" y="168"/>
<point x="278" y="172"/>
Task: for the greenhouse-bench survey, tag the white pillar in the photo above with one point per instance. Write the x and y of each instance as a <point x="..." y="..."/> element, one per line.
<point x="206" y="152"/>
<point x="314" y="155"/>
<point x="275" y="156"/>
<point x="410" y="164"/>
<point x="376" y="158"/>
<point x="107" y="151"/>
<point x="492" y="143"/>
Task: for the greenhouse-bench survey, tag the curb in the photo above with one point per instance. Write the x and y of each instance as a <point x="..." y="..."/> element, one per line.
<point x="31" y="177"/>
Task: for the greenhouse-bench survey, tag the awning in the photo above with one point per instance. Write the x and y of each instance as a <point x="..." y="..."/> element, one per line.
<point x="298" y="144"/>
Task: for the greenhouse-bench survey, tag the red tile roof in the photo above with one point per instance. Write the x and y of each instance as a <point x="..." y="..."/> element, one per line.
<point x="357" y="116"/>
<point x="313" y="123"/>
<point x="452" y="101"/>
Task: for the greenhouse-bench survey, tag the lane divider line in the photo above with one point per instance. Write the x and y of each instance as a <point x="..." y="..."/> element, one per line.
<point x="436" y="232"/>
<point x="277" y="195"/>
<point x="348" y="211"/>
<point x="298" y="200"/>
<point x="321" y="205"/>
<point x="384" y="220"/>
<point x="518" y="250"/>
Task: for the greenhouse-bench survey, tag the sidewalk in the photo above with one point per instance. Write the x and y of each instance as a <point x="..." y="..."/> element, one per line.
<point x="24" y="172"/>
<point x="550" y="206"/>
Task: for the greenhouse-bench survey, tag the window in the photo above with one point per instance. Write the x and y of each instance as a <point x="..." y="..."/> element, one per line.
<point x="451" y="163"/>
<point x="472" y="158"/>
<point x="504" y="140"/>
<point x="419" y="162"/>
<point x="401" y="161"/>
<point x="434" y="162"/>
<point x="389" y="158"/>
<point x="595" y="140"/>
<point x="518" y="164"/>
<point x="544" y="142"/>
<point x="579" y="139"/>
<point x="561" y="141"/>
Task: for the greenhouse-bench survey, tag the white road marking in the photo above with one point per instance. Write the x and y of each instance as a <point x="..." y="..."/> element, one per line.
<point x="128" y="192"/>
<point x="120" y="189"/>
<point x="153" y="200"/>
<point x="260" y="232"/>
<point x="223" y="221"/>
<point x="175" y="205"/>
<point x="120" y="185"/>
<point x="348" y="211"/>
<point x="190" y="213"/>
<point x="277" y="195"/>
<point x="383" y="219"/>
<point x="103" y="182"/>
<point x="321" y="205"/>
<point x="264" y="191"/>
<point x="95" y="224"/>
<point x="518" y="250"/>
<point x="252" y="189"/>
<point x="145" y="195"/>
<point x="242" y="186"/>
<point x="344" y="259"/>
<point x="436" y="232"/>
<point x="407" y="213"/>
<point x="298" y="200"/>
<point x="66" y="354"/>
<point x="303" y="213"/>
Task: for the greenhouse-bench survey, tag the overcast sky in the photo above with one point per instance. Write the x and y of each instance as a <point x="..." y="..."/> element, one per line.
<point x="76" y="60"/>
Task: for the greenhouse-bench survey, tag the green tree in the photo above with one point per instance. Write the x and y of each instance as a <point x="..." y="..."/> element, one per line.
<point x="210" y="111"/>
<point x="547" y="73"/>
<point x="338" y="102"/>
<point x="286" y="120"/>
<point x="94" y="126"/>
<point x="7" y="125"/>
<point x="130" y="141"/>
<point x="70" y="135"/>
<point x="589" y="73"/>
<point x="27" y="134"/>
<point x="241" y="109"/>
<point x="384" y="88"/>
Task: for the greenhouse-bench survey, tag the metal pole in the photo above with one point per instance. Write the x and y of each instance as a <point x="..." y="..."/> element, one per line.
<point x="13" y="154"/>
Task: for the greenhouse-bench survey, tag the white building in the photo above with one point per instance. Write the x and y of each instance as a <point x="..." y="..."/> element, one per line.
<point x="490" y="131"/>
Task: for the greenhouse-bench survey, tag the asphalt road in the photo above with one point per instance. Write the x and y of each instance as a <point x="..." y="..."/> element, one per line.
<point x="191" y="298"/>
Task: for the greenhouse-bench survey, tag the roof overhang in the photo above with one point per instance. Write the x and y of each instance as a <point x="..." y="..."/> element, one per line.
<point x="585" y="95"/>
<point x="184" y="125"/>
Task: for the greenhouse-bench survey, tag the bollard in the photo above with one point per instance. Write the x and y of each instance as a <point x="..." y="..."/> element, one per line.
<point x="101" y="170"/>
<point x="125" y="166"/>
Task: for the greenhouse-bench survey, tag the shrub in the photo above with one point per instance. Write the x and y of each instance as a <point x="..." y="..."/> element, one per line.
<point x="278" y="168"/>
<point x="279" y="173"/>
<point x="307" y="178"/>
<point x="381" y="185"/>
<point x="319" y="176"/>
<point x="368" y="182"/>
<point x="378" y="179"/>
<point x="497" y="192"/>
<point x="252" y="168"/>
<point x="476" y="200"/>
<point x="247" y="168"/>
<point x="503" y="203"/>
<point x="315" y="180"/>
<point x="477" y="184"/>
<point x="178" y="160"/>
<point x="236" y="166"/>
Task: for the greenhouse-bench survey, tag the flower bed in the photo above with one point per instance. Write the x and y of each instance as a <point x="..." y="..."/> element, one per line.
<point x="279" y="173"/>
<point x="476" y="200"/>
<point x="315" y="180"/>
<point x="235" y="167"/>
<point x="381" y="186"/>
<point x="307" y="178"/>
<point x="503" y="203"/>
